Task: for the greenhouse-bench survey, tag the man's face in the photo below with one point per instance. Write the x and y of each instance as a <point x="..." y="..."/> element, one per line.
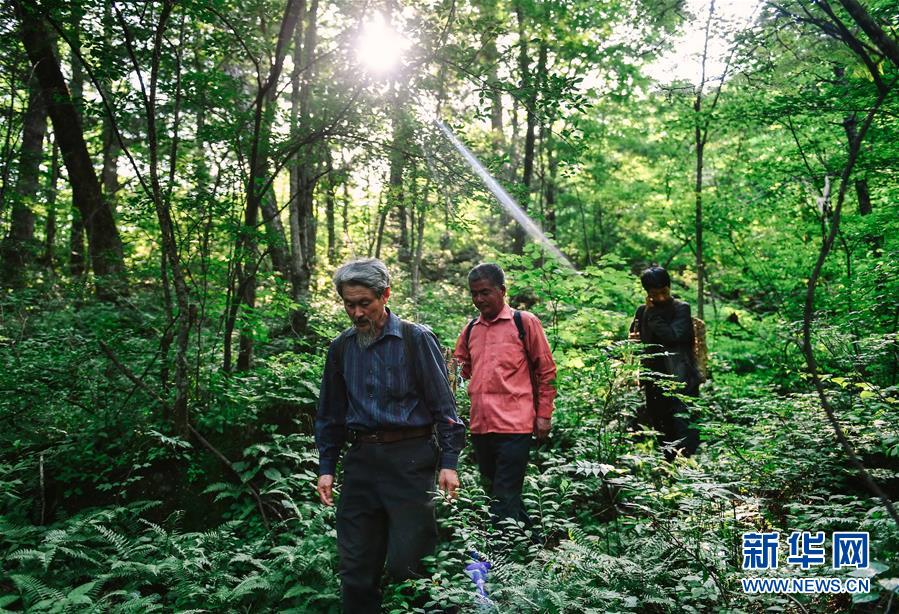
<point x="659" y="296"/>
<point x="489" y="299"/>
<point x="364" y="307"/>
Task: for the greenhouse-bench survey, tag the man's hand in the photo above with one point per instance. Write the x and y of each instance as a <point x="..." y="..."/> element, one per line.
<point x="542" y="427"/>
<point x="634" y="336"/>
<point x="325" y="489"/>
<point x="448" y="480"/>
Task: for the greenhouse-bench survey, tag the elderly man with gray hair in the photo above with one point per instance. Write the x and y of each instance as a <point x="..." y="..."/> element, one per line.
<point x="385" y="392"/>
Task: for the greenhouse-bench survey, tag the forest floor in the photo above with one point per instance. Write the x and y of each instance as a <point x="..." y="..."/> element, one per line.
<point x="103" y="508"/>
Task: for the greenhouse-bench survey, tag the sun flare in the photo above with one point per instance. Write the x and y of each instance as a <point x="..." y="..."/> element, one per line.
<point x="381" y="47"/>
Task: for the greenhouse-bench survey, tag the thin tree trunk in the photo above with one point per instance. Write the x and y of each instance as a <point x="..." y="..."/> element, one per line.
<point x="257" y="181"/>
<point x="109" y="176"/>
<point x="529" y="93"/>
<point x="19" y="248"/>
<point x="849" y="126"/>
<point x="379" y="236"/>
<point x="50" y="235"/>
<point x="887" y="46"/>
<point x="297" y="91"/>
<point x="395" y="196"/>
<point x="422" y="208"/>
<point x="7" y="143"/>
<point x="304" y="179"/>
<point x="330" y="199"/>
<point x="492" y="59"/>
<point x="700" y="136"/>
<point x="808" y="314"/>
<point x="171" y="255"/>
<point x="77" y="265"/>
<point x="77" y="258"/>
<point x="345" y="214"/>
<point x="700" y="263"/>
<point x="274" y="232"/>
<point x="550" y="186"/>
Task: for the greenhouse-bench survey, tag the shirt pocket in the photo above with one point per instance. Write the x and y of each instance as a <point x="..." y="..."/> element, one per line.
<point x="397" y="381"/>
<point x="508" y="357"/>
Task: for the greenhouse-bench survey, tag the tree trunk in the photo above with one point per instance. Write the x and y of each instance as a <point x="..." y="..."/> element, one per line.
<point x="6" y="160"/>
<point x="886" y="45"/>
<point x="104" y="244"/>
<point x="850" y="123"/>
<point x="19" y="249"/>
<point x="529" y="94"/>
<point x="700" y="136"/>
<point x="77" y="265"/>
<point x="492" y="60"/>
<point x="421" y="212"/>
<point x="700" y="264"/>
<point x="258" y="179"/>
<point x="109" y="176"/>
<point x="330" y="199"/>
<point x="50" y="235"/>
<point x="77" y="259"/>
<point x="303" y="228"/>
<point x="550" y="177"/>
<point x="379" y="236"/>
<point x="395" y="195"/>
<point x="274" y="233"/>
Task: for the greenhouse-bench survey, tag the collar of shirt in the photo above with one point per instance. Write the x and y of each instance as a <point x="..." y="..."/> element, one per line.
<point x="504" y="314"/>
<point x="393" y="326"/>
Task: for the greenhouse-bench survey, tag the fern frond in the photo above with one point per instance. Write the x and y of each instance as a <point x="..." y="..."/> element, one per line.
<point x="35" y="589"/>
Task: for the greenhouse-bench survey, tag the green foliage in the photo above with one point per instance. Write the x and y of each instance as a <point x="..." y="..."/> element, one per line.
<point x="107" y="505"/>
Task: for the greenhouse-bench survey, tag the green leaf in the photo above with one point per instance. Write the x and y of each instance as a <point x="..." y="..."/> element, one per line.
<point x="79" y="594"/>
<point x="865" y="597"/>
<point x="299" y="589"/>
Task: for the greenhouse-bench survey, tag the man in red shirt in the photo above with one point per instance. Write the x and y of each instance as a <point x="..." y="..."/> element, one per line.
<point x="507" y="358"/>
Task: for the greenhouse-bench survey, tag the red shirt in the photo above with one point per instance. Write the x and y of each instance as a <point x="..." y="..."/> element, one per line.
<point x="494" y="359"/>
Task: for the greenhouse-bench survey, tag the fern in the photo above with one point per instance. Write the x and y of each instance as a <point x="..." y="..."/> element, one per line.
<point x="35" y="590"/>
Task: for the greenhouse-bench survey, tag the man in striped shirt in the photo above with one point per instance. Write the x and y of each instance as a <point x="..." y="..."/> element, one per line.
<point x="509" y="362"/>
<point x="385" y="391"/>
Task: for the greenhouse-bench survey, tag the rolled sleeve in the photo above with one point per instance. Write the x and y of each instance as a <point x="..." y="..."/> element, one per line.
<point x="330" y="418"/>
<point x="463" y="354"/>
<point x="544" y="367"/>
<point x="440" y="400"/>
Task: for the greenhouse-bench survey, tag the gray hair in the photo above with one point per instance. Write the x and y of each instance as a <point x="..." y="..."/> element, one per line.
<point x="489" y="271"/>
<point x="368" y="272"/>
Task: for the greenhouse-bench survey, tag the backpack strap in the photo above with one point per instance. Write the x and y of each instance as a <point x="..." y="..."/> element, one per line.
<point x="468" y="330"/>
<point x="412" y="351"/>
<point x="340" y="349"/>
<point x="519" y="324"/>
<point x="637" y="322"/>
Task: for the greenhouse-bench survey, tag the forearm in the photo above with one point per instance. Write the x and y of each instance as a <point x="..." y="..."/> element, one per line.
<point x="679" y="330"/>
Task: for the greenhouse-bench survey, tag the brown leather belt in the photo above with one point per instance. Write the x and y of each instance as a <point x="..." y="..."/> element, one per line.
<point x="389" y="436"/>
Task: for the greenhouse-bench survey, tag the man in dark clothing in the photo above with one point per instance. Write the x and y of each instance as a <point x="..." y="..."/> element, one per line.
<point x="664" y="324"/>
<point x="385" y="391"/>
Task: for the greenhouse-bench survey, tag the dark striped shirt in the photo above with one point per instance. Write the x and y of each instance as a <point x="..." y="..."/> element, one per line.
<point x="375" y="388"/>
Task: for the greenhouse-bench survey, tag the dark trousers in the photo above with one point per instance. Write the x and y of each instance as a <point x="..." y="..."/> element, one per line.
<point x="668" y="415"/>
<point x="503" y="460"/>
<point x="385" y="511"/>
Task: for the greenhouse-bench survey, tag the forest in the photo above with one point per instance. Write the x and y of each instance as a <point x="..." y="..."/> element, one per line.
<point x="180" y="179"/>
